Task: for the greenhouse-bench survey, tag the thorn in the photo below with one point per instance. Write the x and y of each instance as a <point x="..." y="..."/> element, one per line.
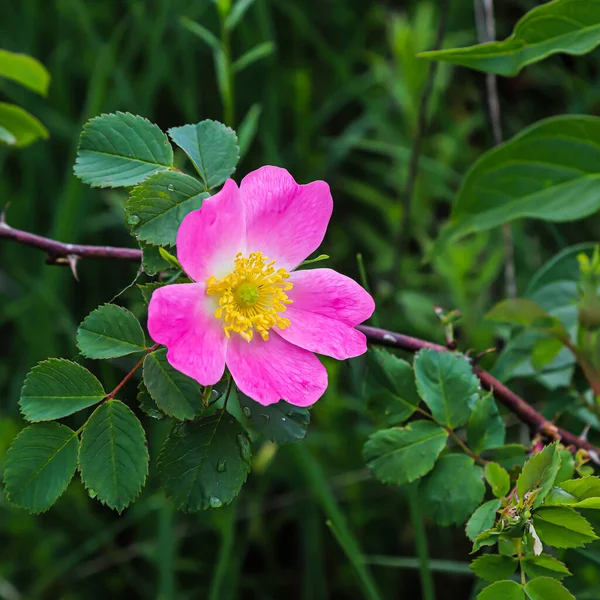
<point x="584" y="433"/>
<point x="3" y="213"/>
<point x="73" y="258"/>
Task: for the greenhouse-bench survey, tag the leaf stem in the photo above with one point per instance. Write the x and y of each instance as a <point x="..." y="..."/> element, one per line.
<point x="476" y="457"/>
<point x="131" y="373"/>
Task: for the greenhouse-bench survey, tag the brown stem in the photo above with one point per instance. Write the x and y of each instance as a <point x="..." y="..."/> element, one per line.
<point x="374" y="335"/>
<point x="131" y="373"/>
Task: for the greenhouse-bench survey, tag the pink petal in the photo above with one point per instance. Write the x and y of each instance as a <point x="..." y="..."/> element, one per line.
<point x="285" y="221"/>
<point x="322" y="335"/>
<point x="181" y="317"/>
<point x="275" y="370"/>
<point x="331" y="294"/>
<point x="209" y="238"/>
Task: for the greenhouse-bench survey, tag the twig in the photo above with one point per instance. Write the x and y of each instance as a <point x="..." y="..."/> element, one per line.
<point x="381" y="337"/>
<point x="514" y="403"/>
<point x="131" y="373"/>
<point x="58" y="250"/>
<point x="401" y="241"/>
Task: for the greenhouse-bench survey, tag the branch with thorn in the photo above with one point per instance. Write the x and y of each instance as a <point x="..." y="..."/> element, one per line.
<point x="375" y="336"/>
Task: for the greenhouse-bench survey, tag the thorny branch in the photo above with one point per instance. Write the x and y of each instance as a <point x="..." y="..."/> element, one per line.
<point x="376" y="336"/>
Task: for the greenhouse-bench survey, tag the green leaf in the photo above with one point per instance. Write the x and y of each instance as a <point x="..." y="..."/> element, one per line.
<point x="569" y="26"/>
<point x="494" y="567"/>
<point x="453" y="490"/>
<point x="113" y="457"/>
<point x="562" y="527"/>
<point x="482" y="519"/>
<point x="40" y="463"/>
<point x="544" y="566"/>
<point x="176" y="394"/>
<point x="237" y="12"/>
<point x="546" y="588"/>
<point x="403" y="454"/>
<point x="19" y="127"/>
<point x="539" y="473"/>
<point x="498" y="478"/>
<point x="248" y="128"/>
<point x="152" y="261"/>
<point x="56" y="388"/>
<point x="148" y="289"/>
<point x="545" y="351"/>
<point x="502" y="590"/>
<point x="200" y="31"/>
<point x="508" y="456"/>
<point x="25" y="70"/>
<point x="447" y="384"/>
<point x="147" y="404"/>
<point x="583" y="488"/>
<point x="280" y="422"/>
<point x="157" y="206"/>
<point x="549" y="171"/>
<point x="110" y="331"/>
<point x="120" y="150"/>
<point x="204" y="463"/>
<point x="567" y="466"/>
<point x="211" y="146"/>
<point x="488" y="537"/>
<point x="486" y="429"/>
<point x="393" y="384"/>
<point x="253" y="55"/>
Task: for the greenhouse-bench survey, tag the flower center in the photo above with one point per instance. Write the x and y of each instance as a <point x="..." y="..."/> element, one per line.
<point x="252" y="297"/>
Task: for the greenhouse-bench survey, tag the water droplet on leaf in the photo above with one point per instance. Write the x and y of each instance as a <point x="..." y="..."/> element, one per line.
<point x="222" y="466"/>
<point x="171" y="187"/>
<point x="247" y="412"/>
<point x="244" y="444"/>
<point x="215" y="502"/>
<point x="133" y="220"/>
<point x="266" y="417"/>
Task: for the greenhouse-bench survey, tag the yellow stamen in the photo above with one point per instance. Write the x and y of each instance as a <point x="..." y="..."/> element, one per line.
<point x="252" y="297"/>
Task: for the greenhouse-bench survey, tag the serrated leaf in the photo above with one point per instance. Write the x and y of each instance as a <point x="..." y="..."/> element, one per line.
<point x="110" y="331"/>
<point x="393" y="385"/>
<point x="498" y="478"/>
<point x="147" y="404"/>
<point x="453" y="490"/>
<point x="485" y="429"/>
<point x="40" y="463"/>
<point x="211" y="146"/>
<point x="447" y="384"/>
<point x="549" y="171"/>
<point x="120" y="150"/>
<point x="539" y="473"/>
<point x="204" y="463"/>
<point x="20" y="128"/>
<point x="488" y="537"/>
<point x="281" y="422"/>
<point x="583" y="488"/>
<point x="25" y="70"/>
<point x="152" y="261"/>
<point x="113" y="457"/>
<point x="482" y="519"/>
<point x="56" y="388"/>
<point x="403" y="454"/>
<point x="176" y="394"/>
<point x="562" y="527"/>
<point x="546" y="588"/>
<point x="502" y="590"/>
<point x="544" y="566"/>
<point x="567" y="467"/>
<point x="157" y="206"/>
<point x="494" y="567"/>
<point x="148" y="289"/>
<point x="562" y="26"/>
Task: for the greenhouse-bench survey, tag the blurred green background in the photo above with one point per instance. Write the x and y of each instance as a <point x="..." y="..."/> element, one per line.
<point x="337" y="94"/>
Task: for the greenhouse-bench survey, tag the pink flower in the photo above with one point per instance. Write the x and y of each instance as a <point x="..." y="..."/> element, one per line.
<point x="247" y="308"/>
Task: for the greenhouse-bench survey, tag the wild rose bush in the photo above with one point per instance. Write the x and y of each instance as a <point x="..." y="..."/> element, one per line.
<point x="238" y="311"/>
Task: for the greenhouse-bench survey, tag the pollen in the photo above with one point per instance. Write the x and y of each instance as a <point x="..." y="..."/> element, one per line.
<point x="251" y="298"/>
